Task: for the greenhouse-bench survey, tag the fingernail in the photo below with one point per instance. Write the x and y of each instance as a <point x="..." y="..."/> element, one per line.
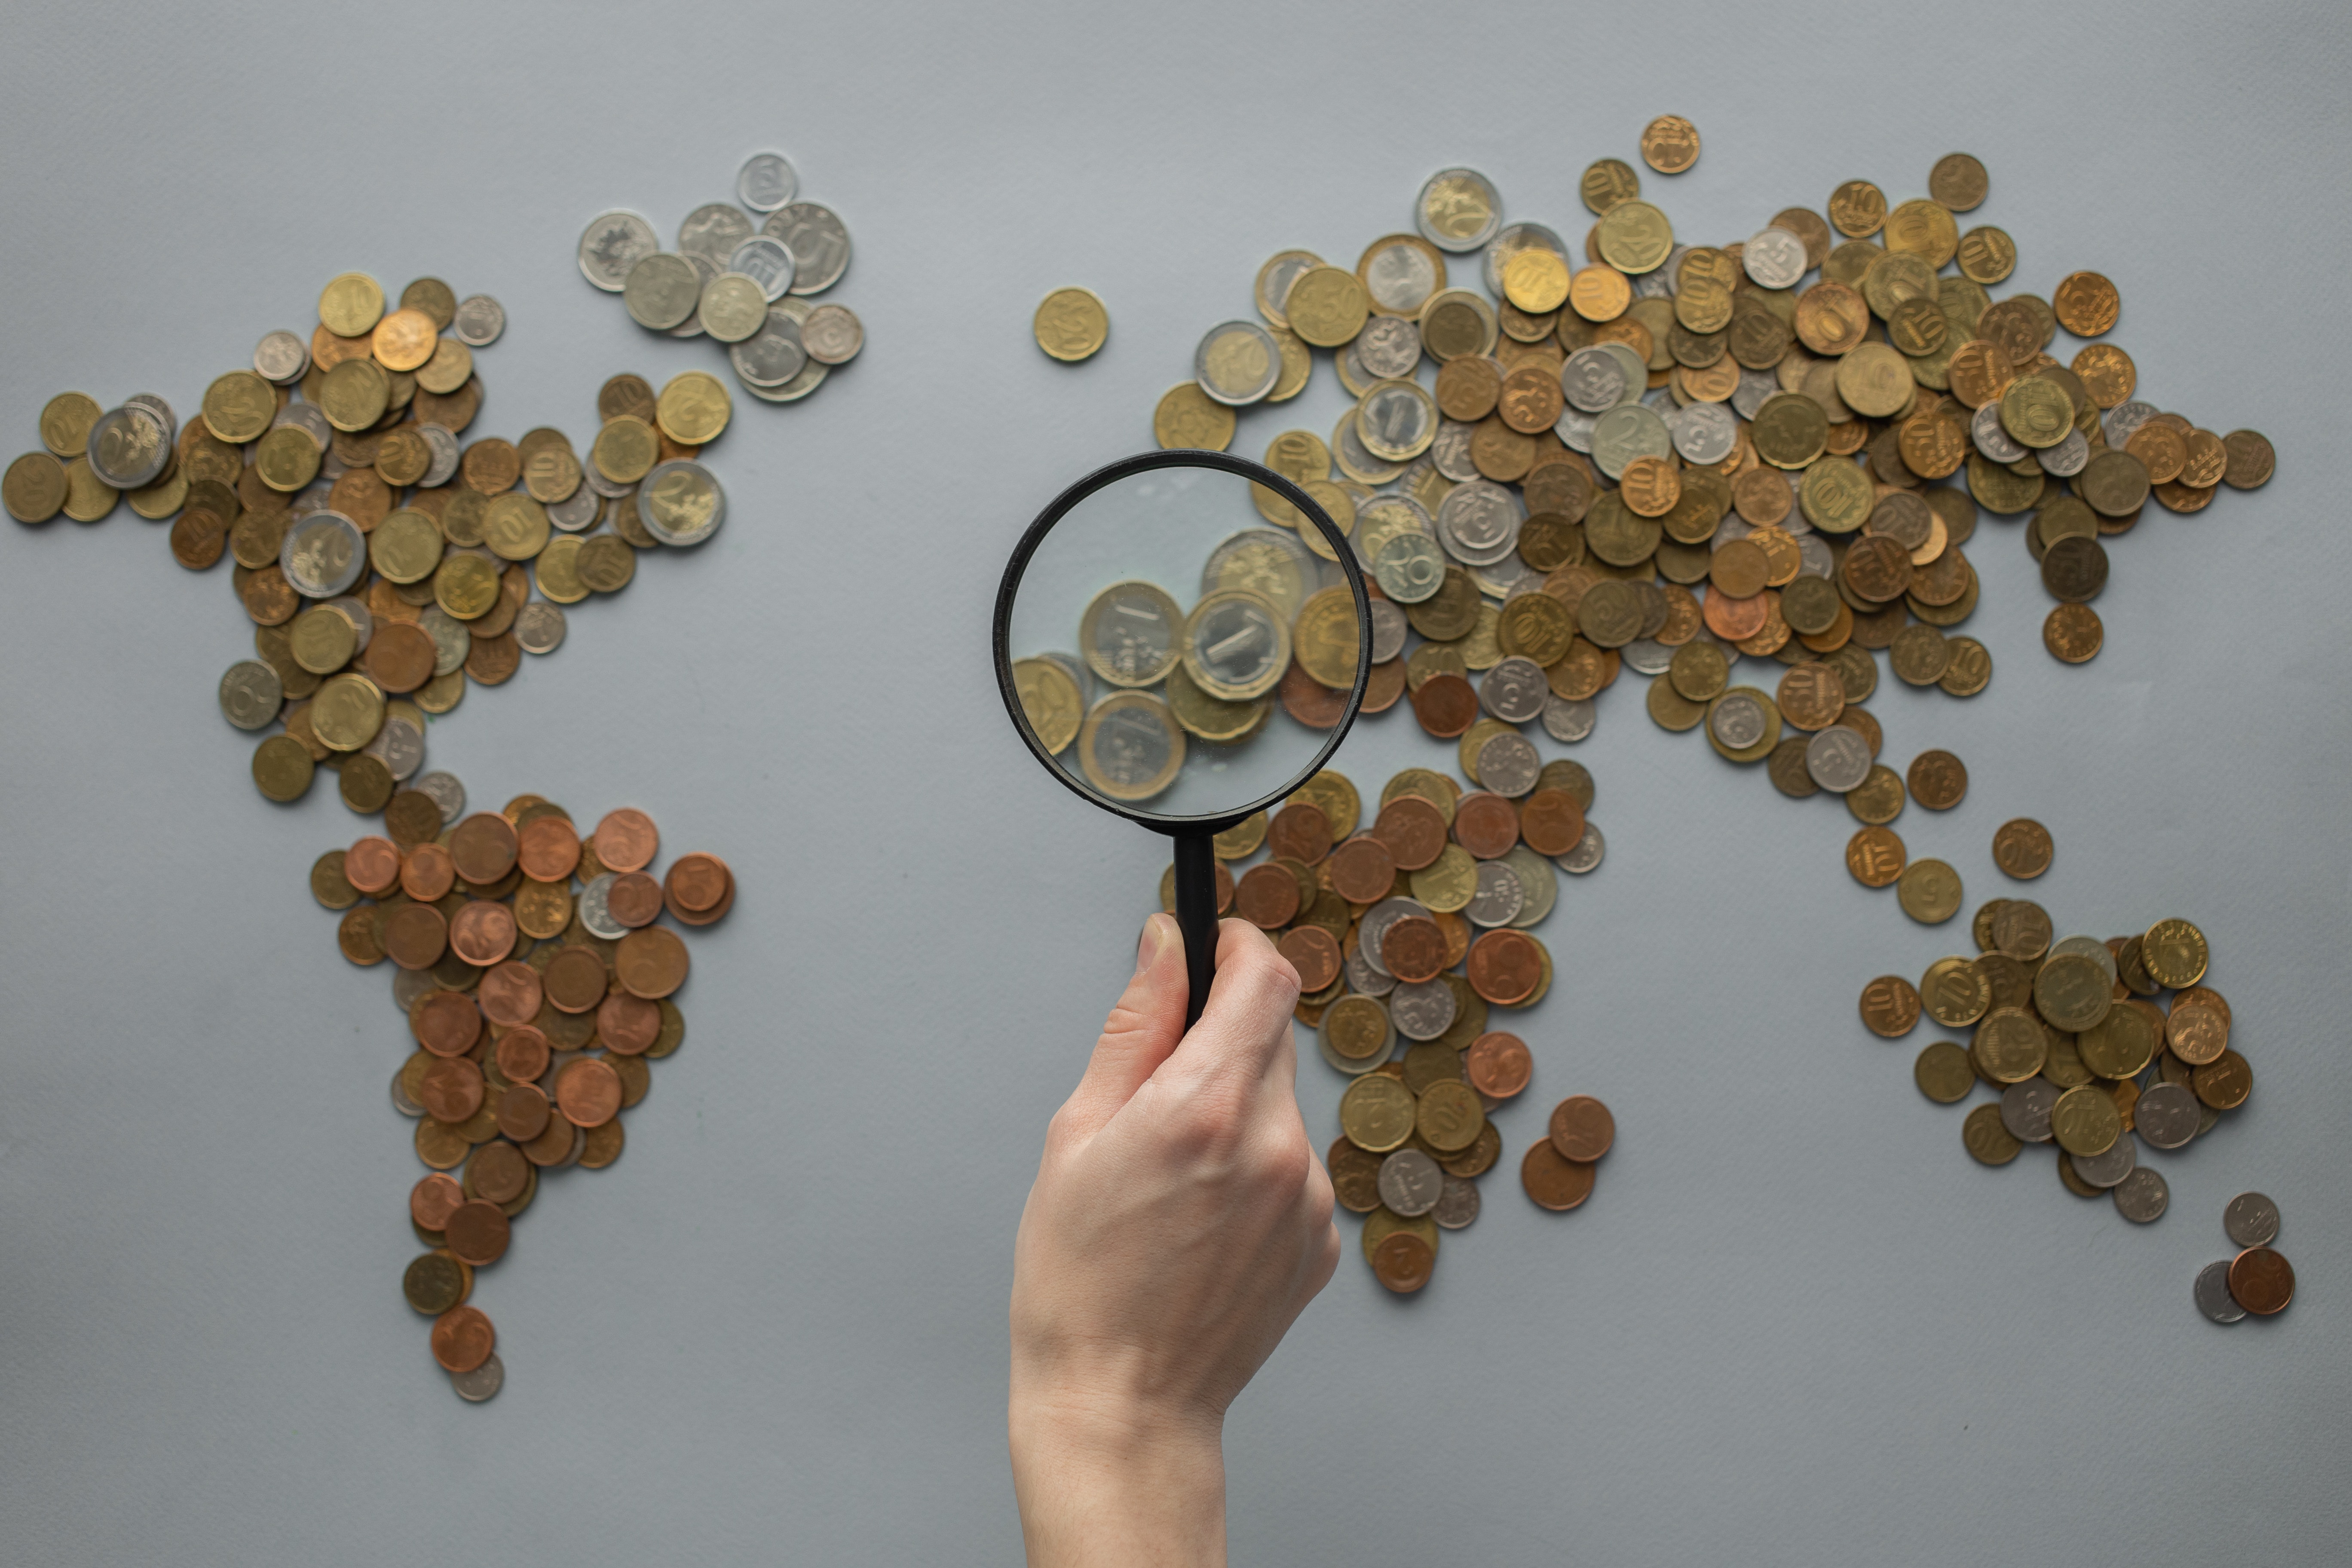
<point x="1154" y="937"/>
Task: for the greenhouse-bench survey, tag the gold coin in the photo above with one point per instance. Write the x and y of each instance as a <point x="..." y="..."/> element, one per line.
<point x="556" y="570"/>
<point x="66" y="421"/>
<point x="447" y="369"/>
<point x="606" y="563"/>
<point x="238" y="406"/>
<point x="1323" y="638"/>
<point x="2085" y="1121"/>
<point x="693" y="408"/>
<point x="282" y="769"/>
<point x="1858" y="209"/>
<point x="355" y="394"/>
<point x="1051" y="701"/>
<point x="1955" y="991"/>
<point x="350" y="305"/>
<point x="1071" y="324"/>
<point x="89" y="498"/>
<point x="465" y="586"/>
<point x="1327" y="306"/>
<point x="1929" y="891"/>
<point x="1606" y="182"/>
<point x="1669" y="144"/>
<point x="35" y="488"/>
<point x="405" y="339"/>
<point x="2174" y="954"/>
<point x="1984" y="1136"/>
<point x="1188" y="418"/>
<point x="1636" y="237"/>
<point x="1943" y="1074"/>
<point x="406" y="547"/>
<point x="347" y="712"/>
<point x="1378" y="1113"/>
<point x="516" y="527"/>
<point x="1536" y="281"/>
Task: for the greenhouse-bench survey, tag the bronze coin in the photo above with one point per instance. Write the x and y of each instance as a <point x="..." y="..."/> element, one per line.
<point x="1266" y="896"/>
<point x="1300" y="832"/>
<point x="588" y="1092"/>
<point x="463" y="1338"/>
<point x="633" y="900"/>
<point x="1499" y="1064"/>
<point x="1487" y="824"/>
<point x="1552" y="822"/>
<point x="522" y="1112"/>
<point x="1554" y="1183"/>
<point x="625" y="840"/>
<point x="450" y="1090"/>
<point x="432" y="1201"/>
<point x="1308" y="700"/>
<point x="691" y="882"/>
<point x="483" y="933"/>
<point x="1412" y="830"/>
<point x="484" y="847"/>
<point x="554" y="1145"/>
<point x="499" y="1172"/>
<point x="1404" y="1262"/>
<point x="522" y="1054"/>
<point x="575" y="982"/>
<point x="697" y="882"/>
<point x="1446" y="705"/>
<point x="1937" y="780"/>
<point x="446" y="1023"/>
<point x="399" y="656"/>
<point x="1355" y="1176"/>
<point x="1362" y="870"/>
<point x="547" y="848"/>
<point x="429" y="874"/>
<point x="1314" y="953"/>
<point x="650" y="962"/>
<point x="2262" y="1280"/>
<point x="436" y="1282"/>
<point x="414" y="936"/>
<point x="1505" y="967"/>
<point x="1581" y="1128"/>
<point x="627" y="1024"/>
<point x="1414" y="950"/>
<point x="511" y="992"/>
<point x="477" y="1233"/>
<point x="372" y="865"/>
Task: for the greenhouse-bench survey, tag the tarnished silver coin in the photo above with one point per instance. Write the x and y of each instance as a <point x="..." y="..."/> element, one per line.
<point x="2124" y="420"/>
<point x="127" y="446"/>
<point x="1539" y="885"/>
<point x="478" y="321"/>
<point x="1705" y="433"/>
<point x="1363" y="979"/>
<point x="401" y="1100"/>
<point x="818" y="241"/>
<point x="612" y="243"/>
<point x="1628" y="431"/>
<point x="2140" y="1197"/>
<point x="1411" y="1183"/>
<point x="1515" y="690"/>
<point x="1837" y="758"/>
<point x="2025" y="1110"/>
<point x="539" y="626"/>
<point x="1594" y="380"/>
<point x="1498" y="897"/>
<point x="443" y="791"/>
<point x="482" y="1383"/>
<point x="280" y="357"/>
<point x="1993" y="441"/>
<point x="2165" y="1115"/>
<point x="1646" y="655"/>
<point x="1569" y="720"/>
<point x="2110" y="1165"/>
<point x="2252" y="1220"/>
<point x="444" y="447"/>
<point x="1457" y="1205"/>
<point x="399" y="745"/>
<point x="1755" y="386"/>
<point x="2213" y="1297"/>
<point x="1738" y="723"/>
<point x="705" y="271"/>
<point x="595" y="910"/>
<point x="323" y="555"/>
<point x="312" y="420"/>
<point x="1389" y="347"/>
<point x="766" y="262"/>
<point x="1450" y="452"/>
<point x="452" y="641"/>
<point x="1774" y="257"/>
<point x="1478" y="523"/>
<point x="161" y="410"/>
<point x="2089" y="947"/>
<point x="1389" y="626"/>
<point x="766" y="181"/>
<point x="1409" y="568"/>
<point x="1373" y="928"/>
<point x="1421" y="1010"/>
<point x="361" y="619"/>
<point x="774" y="355"/>
<point x="2068" y="458"/>
<point x="1509" y="764"/>
<point x="833" y="334"/>
<point x="251" y="694"/>
<point x="1586" y="856"/>
<point x="578" y="511"/>
<point x="713" y="230"/>
<point x="662" y="291"/>
<point x="1400" y="276"/>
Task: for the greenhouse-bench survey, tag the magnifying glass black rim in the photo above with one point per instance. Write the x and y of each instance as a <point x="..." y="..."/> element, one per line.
<point x="1000" y="636"/>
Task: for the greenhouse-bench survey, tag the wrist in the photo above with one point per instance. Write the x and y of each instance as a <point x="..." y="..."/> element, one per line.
<point x="1110" y="1480"/>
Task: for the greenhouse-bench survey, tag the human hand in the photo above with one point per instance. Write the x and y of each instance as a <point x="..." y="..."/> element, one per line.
<point x="1179" y="1224"/>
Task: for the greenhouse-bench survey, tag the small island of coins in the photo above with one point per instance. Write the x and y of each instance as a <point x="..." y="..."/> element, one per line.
<point x="2258" y="1280"/>
<point x="743" y="276"/>
<point x="539" y="979"/>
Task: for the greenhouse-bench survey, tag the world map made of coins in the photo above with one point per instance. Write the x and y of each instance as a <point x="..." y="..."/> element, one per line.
<point x="1672" y="457"/>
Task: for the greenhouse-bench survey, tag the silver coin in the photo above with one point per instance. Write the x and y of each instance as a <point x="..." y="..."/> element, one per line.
<point x="443" y="791"/>
<point x="280" y="357"/>
<point x="818" y="241"/>
<point x="1411" y="1183"/>
<point x="680" y="502"/>
<point x="705" y="271"/>
<point x="128" y="448"/>
<point x="1355" y="1066"/>
<point x="1813" y="557"/>
<point x="478" y="321"/>
<point x="662" y="291"/>
<point x="251" y="694"/>
<point x="596" y="913"/>
<point x="1236" y="363"/>
<point x="1373" y="928"/>
<point x="539" y="626"/>
<point x="833" y="334"/>
<point x="1658" y="283"/>
<point x="2111" y="1165"/>
<point x="2025" y="1110"/>
<point x="2252" y="1220"/>
<point x="451" y="639"/>
<point x="399" y="745"/>
<point x="1594" y="380"/>
<point x="1574" y="429"/>
<point x="361" y="619"/>
<point x="1399" y="414"/>
<point x="2067" y="459"/>
<point x="161" y="410"/>
<point x="401" y="1100"/>
<point x="1646" y="655"/>
<point x="577" y="510"/>
<point x="1363" y="979"/>
<point x="1737" y="722"/>
<point x="1389" y="347"/>
<point x="592" y="480"/>
<point x="713" y="230"/>
<point x="445" y="454"/>
<point x="1457" y="186"/>
<point x="1389" y="626"/>
<point x="323" y="555"/>
<point x="2213" y="1297"/>
<point x="1478" y="523"/>
<point x="1628" y="431"/>
<point x="1587" y="854"/>
<point x="1992" y="440"/>
<point x="1513" y="239"/>
<point x="1421" y="1010"/>
<point x="1457" y="1205"/>
<point x="773" y="356"/>
<point x="766" y="181"/>
<point x="1498" y="897"/>
<point x="1539" y="885"/>
<point x="2140" y="1197"/>
<point x="1568" y="720"/>
<point x="1637" y="374"/>
<point x="1705" y="433"/>
<point x="611" y="245"/>
<point x="2208" y="1119"/>
<point x="481" y="1383"/>
<point x="312" y="420"/>
<point x="1837" y="759"/>
<point x="1399" y="277"/>
<point x="1509" y="764"/>
<point x="319" y="496"/>
<point x="1755" y="386"/>
<point x="1411" y="568"/>
<point x="1502" y="580"/>
<point x="1515" y="690"/>
<point x="2124" y="419"/>
<point x="1774" y="257"/>
<point x="766" y="262"/>
<point x="1450" y="452"/>
<point x="811" y="377"/>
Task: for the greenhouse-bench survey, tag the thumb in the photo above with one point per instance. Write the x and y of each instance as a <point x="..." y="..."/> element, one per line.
<point x="1142" y="1030"/>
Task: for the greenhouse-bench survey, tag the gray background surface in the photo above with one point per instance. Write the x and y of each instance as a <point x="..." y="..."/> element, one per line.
<point x="1796" y="1324"/>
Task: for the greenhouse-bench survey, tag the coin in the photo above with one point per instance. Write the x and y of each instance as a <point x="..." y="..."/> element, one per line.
<point x="2213" y="1293"/>
<point x="1669" y="144"/>
<point x="2251" y="1219"/>
<point x="2021" y="848"/>
<point x="2261" y="1281"/>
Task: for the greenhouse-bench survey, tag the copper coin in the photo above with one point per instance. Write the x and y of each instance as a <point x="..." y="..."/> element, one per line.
<point x="446" y="1023"/>
<point x="510" y="994"/>
<point x="1412" y="831"/>
<point x="627" y="1023"/>
<point x="522" y="1054"/>
<point x="1582" y="1129"/>
<point x="1552" y="822"/>
<point x="1314" y="953"/>
<point x="432" y="1201"/>
<point x="371" y="865"/>
<point x="547" y="848"/>
<point x="477" y="1233"/>
<point x="588" y="1092"/>
<point x="499" y="1172"/>
<point x="522" y="1112"/>
<point x="1384" y="686"/>
<point x="1553" y="1183"/>
<point x="1404" y="1262"/>
<point x="463" y="1338"/>
<point x="1310" y="701"/>
<point x="1506" y="967"/>
<point x="2262" y="1280"/>
<point x="1499" y="1064"/>
<point x="651" y="962"/>
<point x="1362" y="870"/>
<point x="696" y="882"/>
<point x="1355" y="1176"/>
<point x="625" y="840"/>
<point x="399" y="656"/>
<point x="672" y="885"/>
<point x="576" y="981"/>
<point x="415" y="936"/>
<point x="1487" y="825"/>
<point x="450" y="1090"/>
<point x="1300" y="832"/>
<point x="483" y="933"/>
<point x="555" y="1144"/>
<point x="429" y="874"/>
<point x="1414" y="950"/>
<point x="1266" y="896"/>
<point x="633" y="900"/>
<point x="1937" y="780"/>
<point x="1446" y="705"/>
<point x="483" y="848"/>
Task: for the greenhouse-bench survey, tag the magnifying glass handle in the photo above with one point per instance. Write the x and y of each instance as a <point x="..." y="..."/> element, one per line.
<point x="1196" y="917"/>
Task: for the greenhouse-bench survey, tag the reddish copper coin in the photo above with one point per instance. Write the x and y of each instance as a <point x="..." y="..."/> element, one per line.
<point x="484" y="847"/>
<point x="1315" y="953"/>
<point x="522" y="1112"/>
<point x="1553" y="1183"/>
<point x="1552" y="822"/>
<point x="650" y="964"/>
<point x="371" y="865"/>
<point x="697" y="882"/>
<point x="499" y="1172"/>
<point x="588" y="1092"/>
<point x="510" y="994"/>
<point x="429" y="874"/>
<point x="703" y="917"/>
<point x="1505" y="967"/>
<point x="1384" y="686"/>
<point x="1485" y="824"/>
<point x="477" y="1233"/>
<point x="483" y="933"/>
<point x="625" y="840"/>
<point x="1414" y="950"/>
<point x="1412" y="831"/>
<point x="1581" y="1128"/>
<point x="2262" y="1280"/>
<point x="547" y="848"/>
<point x="627" y="1024"/>
<point x="554" y="1146"/>
<point x="400" y="656"/>
<point x="432" y="1201"/>
<point x="522" y="1054"/>
<point x="1310" y="701"/>
<point x="1362" y="870"/>
<point x="415" y="936"/>
<point x="463" y="1338"/>
<point x="575" y="982"/>
<point x="1266" y="896"/>
<point x="634" y="898"/>
<point x="1499" y="1064"/>
<point x="446" y="1023"/>
<point x="1300" y="832"/>
<point x="1402" y="1262"/>
<point x="450" y="1090"/>
<point x="1446" y="705"/>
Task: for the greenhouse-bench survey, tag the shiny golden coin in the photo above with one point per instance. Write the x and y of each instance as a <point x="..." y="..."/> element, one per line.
<point x="1858" y="209"/>
<point x="405" y="339"/>
<point x="2174" y="954"/>
<point x="1669" y="144"/>
<point x="1536" y="281"/>
<point x="626" y="449"/>
<point x="1327" y="306"/>
<point x="1955" y="991"/>
<point x="66" y="421"/>
<point x="1378" y="1113"/>
<point x="1636" y="237"/>
<point x="350" y="305"/>
<point x="694" y="408"/>
<point x="1188" y="418"/>
<point x="1607" y="182"/>
<point x="238" y="406"/>
<point x="1050" y="700"/>
<point x="2085" y="1121"/>
<point x="1071" y="324"/>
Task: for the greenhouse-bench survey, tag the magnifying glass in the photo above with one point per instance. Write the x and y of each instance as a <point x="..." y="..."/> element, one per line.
<point x="1183" y="637"/>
